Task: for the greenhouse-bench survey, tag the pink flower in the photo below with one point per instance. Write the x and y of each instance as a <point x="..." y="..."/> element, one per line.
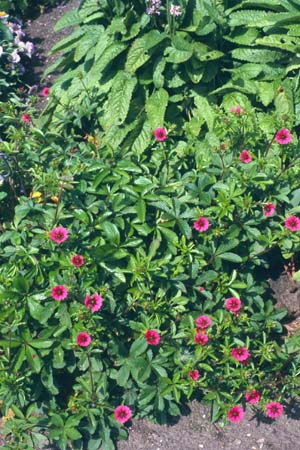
<point x="240" y="353"/>
<point x="269" y="209"/>
<point x="175" y="10"/>
<point x="160" y="134"/>
<point x="45" y="92"/>
<point x="83" y="339"/>
<point x="245" y="157"/>
<point x="233" y="304"/>
<point x="152" y="337"/>
<point x="77" y="260"/>
<point x="201" y="339"/>
<point x="203" y="322"/>
<point x="274" y="410"/>
<point x="283" y="136"/>
<point x="194" y="374"/>
<point x="235" y="414"/>
<point x="59" y="235"/>
<point x="236" y="110"/>
<point x="292" y="223"/>
<point x="201" y="224"/>
<point x="59" y="292"/>
<point x="26" y="118"/>
<point x="201" y="289"/>
<point x="93" y="302"/>
<point x="252" y="396"/>
<point x="123" y="413"/>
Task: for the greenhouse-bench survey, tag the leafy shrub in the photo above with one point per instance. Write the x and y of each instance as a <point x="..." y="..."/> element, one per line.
<point x="153" y="227"/>
<point x="143" y="69"/>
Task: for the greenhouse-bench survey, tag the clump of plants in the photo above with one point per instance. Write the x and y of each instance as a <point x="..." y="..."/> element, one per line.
<point x="132" y="281"/>
<point x="139" y="63"/>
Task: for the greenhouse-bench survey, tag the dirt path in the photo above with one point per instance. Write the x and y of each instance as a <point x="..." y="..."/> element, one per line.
<point x="192" y="431"/>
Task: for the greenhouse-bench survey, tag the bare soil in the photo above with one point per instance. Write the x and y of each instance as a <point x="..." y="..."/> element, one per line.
<point x="193" y="430"/>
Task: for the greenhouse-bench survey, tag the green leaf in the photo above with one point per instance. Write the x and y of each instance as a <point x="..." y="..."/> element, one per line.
<point x="228" y="256"/>
<point x="250" y="17"/>
<point x="266" y="92"/>
<point x="143" y="139"/>
<point x="137" y="56"/>
<point x="123" y="375"/>
<point x="256" y="55"/>
<point x="112" y="233"/>
<point x="73" y="434"/>
<point x="87" y="42"/>
<point x="156" y="107"/>
<point x="33" y="359"/>
<point x="204" y="110"/>
<point x="70" y="19"/>
<point x="141" y="209"/>
<point x="138" y="347"/>
<point x="118" y="102"/>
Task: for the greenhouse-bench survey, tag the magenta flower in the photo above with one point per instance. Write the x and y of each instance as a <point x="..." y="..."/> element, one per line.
<point x="252" y="396"/>
<point x="201" y="289"/>
<point x="269" y="209"/>
<point x="26" y="118"/>
<point x="203" y="322"/>
<point x="194" y="374"/>
<point x="283" y="136"/>
<point x="83" y="339"/>
<point x="45" y="92"/>
<point x="245" y="157"/>
<point x="274" y="410"/>
<point x="123" y="413"/>
<point x="202" y="224"/>
<point x="240" y="353"/>
<point x="236" y="414"/>
<point x="93" y="302"/>
<point x="59" y="235"/>
<point x="77" y="260"/>
<point x="292" y="223"/>
<point x="201" y="339"/>
<point x="233" y="304"/>
<point x="152" y="337"/>
<point x="160" y="134"/>
<point x="236" y="110"/>
<point x="59" y="292"/>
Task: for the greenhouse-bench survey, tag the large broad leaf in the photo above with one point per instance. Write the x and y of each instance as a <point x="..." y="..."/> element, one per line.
<point x="87" y="42"/>
<point x="156" y="107"/>
<point x="281" y="41"/>
<point x="250" y="17"/>
<point x="137" y="56"/>
<point x="143" y="139"/>
<point x="118" y="102"/>
<point x="256" y="55"/>
<point x="204" y="110"/>
<point x="70" y="19"/>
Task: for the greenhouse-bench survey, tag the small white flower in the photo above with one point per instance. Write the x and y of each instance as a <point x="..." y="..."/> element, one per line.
<point x="29" y="47"/>
<point x="15" y="57"/>
<point x="1" y="51"/>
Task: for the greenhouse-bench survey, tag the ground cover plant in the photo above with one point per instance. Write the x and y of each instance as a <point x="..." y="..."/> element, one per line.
<point x="130" y="279"/>
<point x="133" y="272"/>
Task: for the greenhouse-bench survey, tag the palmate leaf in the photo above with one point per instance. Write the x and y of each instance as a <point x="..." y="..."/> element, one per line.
<point x="156" y="106"/>
<point x="257" y="55"/>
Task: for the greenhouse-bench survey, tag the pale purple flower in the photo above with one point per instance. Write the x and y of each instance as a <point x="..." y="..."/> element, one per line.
<point x="29" y="47"/>
<point x="15" y="57"/>
<point x="175" y="10"/>
<point x="153" y="7"/>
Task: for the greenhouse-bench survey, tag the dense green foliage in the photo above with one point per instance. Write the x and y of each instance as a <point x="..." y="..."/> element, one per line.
<point x="139" y="70"/>
<point x="130" y="214"/>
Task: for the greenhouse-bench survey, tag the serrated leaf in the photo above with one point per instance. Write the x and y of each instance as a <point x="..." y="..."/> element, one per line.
<point x="70" y="19"/>
<point x="143" y="139"/>
<point x="173" y="55"/>
<point x="256" y="55"/>
<point x="137" y="56"/>
<point x="118" y="102"/>
<point x="156" y="107"/>
<point x="87" y="42"/>
<point x="266" y="92"/>
<point x="250" y="17"/>
<point x="204" y="110"/>
<point x="280" y="41"/>
<point x="159" y="67"/>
